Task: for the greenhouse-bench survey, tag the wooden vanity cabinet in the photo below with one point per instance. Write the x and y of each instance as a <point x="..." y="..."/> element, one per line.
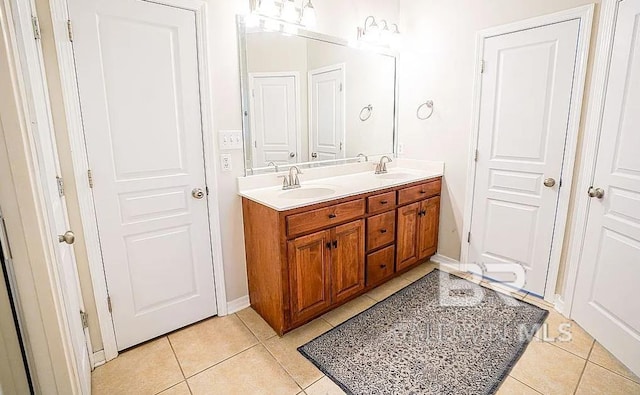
<point x="304" y="262"/>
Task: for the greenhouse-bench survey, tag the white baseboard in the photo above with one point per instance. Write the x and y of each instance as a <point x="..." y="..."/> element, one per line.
<point x="446" y="261"/>
<point x="238" y="304"/>
<point x="99" y="358"/>
<point x="559" y="304"/>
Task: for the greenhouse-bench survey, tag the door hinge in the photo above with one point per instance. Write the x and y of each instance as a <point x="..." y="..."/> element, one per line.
<point x="341" y="146"/>
<point x="36" y="27"/>
<point x="84" y="317"/>
<point x="90" y="177"/>
<point x="475" y="157"/>
<point x="253" y="93"/>
<point x="482" y="64"/>
<point x="70" y="30"/>
<point x="207" y="190"/>
<point x="469" y="237"/>
<point x="560" y="183"/>
<point x="341" y="87"/>
<point x="60" y="182"/>
<point x="109" y="306"/>
<point x="6" y="237"/>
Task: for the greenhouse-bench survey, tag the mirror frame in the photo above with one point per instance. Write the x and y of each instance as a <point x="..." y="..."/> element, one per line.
<point x="244" y="91"/>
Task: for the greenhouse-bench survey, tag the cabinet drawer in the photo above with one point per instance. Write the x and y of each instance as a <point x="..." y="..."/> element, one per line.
<point x="381" y="202"/>
<point x="380" y="265"/>
<point x="418" y="192"/>
<point x="324" y="217"/>
<point x="381" y="230"/>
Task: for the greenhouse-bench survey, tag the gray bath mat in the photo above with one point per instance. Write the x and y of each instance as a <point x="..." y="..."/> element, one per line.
<point x="427" y="339"/>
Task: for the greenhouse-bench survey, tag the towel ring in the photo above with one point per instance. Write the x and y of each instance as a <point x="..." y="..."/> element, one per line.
<point x="428" y="104"/>
<point x="366" y="112"/>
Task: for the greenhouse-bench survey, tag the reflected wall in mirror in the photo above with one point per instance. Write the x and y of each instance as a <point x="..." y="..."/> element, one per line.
<point x="312" y="98"/>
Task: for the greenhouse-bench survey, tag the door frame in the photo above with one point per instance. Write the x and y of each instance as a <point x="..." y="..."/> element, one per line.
<point x="585" y="15"/>
<point x="589" y="149"/>
<point x="343" y="68"/>
<point x="296" y="76"/>
<point x="64" y="50"/>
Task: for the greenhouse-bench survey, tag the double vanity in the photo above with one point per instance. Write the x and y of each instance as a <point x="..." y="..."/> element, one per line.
<point x="342" y="232"/>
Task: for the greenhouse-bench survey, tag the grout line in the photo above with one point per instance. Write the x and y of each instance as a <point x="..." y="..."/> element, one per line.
<point x="224" y="360"/>
<point x="175" y="385"/>
<point x="284" y="368"/>
<point x="584" y="368"/>
<point x="307" y="387"/>
<point x="176" y="357"/>
<point x="525" y="384"/>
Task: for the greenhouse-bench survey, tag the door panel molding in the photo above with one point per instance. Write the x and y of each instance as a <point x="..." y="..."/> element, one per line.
<point x="64" y="49"/>
<point x="585" y="16"/>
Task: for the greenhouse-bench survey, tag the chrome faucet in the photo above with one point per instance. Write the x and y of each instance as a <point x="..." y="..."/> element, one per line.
<point x="291" y="181"/>
<point x="381" y="168"/>
<point x="273" y="164"/>
<point x="366" y="158"/>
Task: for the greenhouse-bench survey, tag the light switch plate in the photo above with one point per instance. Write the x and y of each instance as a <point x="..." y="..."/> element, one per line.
<point x="230" y="139"/>
<point x="225" y="161"/>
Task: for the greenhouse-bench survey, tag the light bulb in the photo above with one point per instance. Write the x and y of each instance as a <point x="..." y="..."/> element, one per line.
<point x="385" y="34"/>
<point x="268" y="7"/>
<point x="308" y="15"/>
<point x="289" y="11"/>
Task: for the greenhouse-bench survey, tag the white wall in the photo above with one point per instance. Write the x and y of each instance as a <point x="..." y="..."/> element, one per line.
<point x="438" y="63"/>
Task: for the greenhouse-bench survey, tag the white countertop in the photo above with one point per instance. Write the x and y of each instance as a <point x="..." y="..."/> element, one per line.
<point x="334" y="183"/>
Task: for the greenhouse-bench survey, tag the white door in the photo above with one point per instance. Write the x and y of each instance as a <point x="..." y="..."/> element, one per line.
<point x="326" y="114"/>
<point x="525" y="102"/>
<point x="274" y="118"/>
<point x="606" y="302"/>
<point x="137" y="68"/>
<point x="53" y="187"/>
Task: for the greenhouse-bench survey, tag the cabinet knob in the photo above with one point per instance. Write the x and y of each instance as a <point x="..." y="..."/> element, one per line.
<point x="383" y="231"/>
<point x="332" y="216"/>
<point x="383" y="266"/>
<point x="328" y="245"/>
<point x="335" y="244"/>
<point x="383" y="202"/>
<point x="423" y="192"/>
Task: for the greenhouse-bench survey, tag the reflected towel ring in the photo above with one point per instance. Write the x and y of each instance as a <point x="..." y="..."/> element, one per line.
<point x="366" y="112"/>
<point x="428" y="104"/>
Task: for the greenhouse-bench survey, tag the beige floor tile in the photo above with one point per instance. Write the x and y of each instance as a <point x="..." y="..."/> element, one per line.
<point x="324" y="386"/>
<point x="146" y="369"/>
<point x="566" y="334"/>
<point x="284" y="349"/>
<point x="597" y="380"/>
<point x="180" y="389"/>
<point x="253" y="371"/>
<point x="348" y="310"/>
<point x="209" y="342"/>
<point x="603" y="357"/>
<point x="256" y="324"/>
<point x="387" y="289"/>
<point x="548" y="369"/>
<point x="511" y="386"/>
<point x="419" y="272"/>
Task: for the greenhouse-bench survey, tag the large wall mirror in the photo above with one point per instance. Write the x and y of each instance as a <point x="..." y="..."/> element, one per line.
<point x="311" y="98"/>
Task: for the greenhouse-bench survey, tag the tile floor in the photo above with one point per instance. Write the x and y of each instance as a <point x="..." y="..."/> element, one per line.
<point x="241" y="354"/>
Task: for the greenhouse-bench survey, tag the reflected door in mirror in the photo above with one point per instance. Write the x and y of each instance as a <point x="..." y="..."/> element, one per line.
<point x="327" y="113"/>
<point x="275" y="105"/>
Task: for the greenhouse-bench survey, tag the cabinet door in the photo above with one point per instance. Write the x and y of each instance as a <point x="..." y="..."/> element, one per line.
<point x="407" y="240"/>
<point x="428" y="227"/>
<point x="347" y="260"/>
<point x="309" y="286"/>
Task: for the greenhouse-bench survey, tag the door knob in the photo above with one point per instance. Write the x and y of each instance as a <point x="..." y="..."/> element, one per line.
<point x="596" y="192"/>
<point x="197" y="193"/>
<point x="549" y="182"/>
<point x="292" y="154"/>
<point x="68" y="237"/>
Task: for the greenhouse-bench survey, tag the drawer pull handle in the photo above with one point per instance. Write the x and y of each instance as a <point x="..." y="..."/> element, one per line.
<point x="423" y="192"/>
<point x="383" y="231"/>
<point x="332" y="216"/>
<point x="422" y="213"/>
<point x="383" y="266"/>
<point x="383" y="202"/>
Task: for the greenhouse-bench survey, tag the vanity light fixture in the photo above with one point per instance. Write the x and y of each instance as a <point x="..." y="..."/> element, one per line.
<point x="268" y="8"/>
<point x="289" y="11"/>
<point x="374" y="34"/>
<point x="308" y="15"/>
<point x="282" y="15"/>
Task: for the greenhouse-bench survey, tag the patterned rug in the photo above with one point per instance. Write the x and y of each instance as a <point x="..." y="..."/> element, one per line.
<point x="426" y="339"/>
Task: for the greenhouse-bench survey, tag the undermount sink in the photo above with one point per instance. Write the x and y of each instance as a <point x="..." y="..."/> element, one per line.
<point x="307" y="193"/>
<point x="393" y="176"/>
